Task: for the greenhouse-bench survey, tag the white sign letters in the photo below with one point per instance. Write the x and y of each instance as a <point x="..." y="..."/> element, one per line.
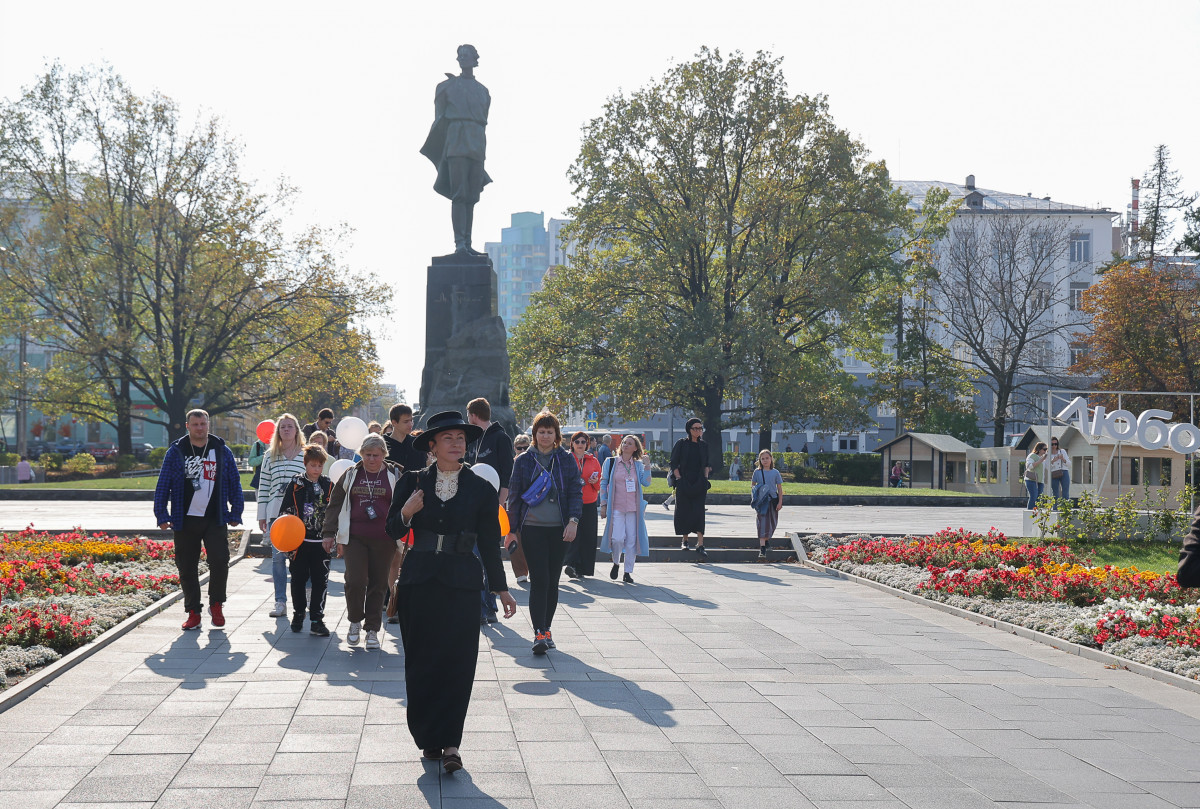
<point x="1149" y="430"/>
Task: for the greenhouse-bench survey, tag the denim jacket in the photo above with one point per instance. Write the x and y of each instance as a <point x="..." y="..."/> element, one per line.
<point x="565" y="478"/>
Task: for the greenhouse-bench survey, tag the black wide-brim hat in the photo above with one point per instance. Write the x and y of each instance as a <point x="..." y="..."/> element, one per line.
<point x="440" y="423"/>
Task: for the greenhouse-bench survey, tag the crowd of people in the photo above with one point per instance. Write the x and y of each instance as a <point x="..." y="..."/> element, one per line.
<point x="417" y="519"/>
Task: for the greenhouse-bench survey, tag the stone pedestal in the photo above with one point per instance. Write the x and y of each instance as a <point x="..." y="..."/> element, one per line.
<point x="466" y="346"/>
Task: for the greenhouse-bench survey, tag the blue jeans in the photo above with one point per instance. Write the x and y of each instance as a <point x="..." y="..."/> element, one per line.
<point x="1035" y="491"/>
<point x="1061" y="487"/>
<point x="279" y="569"/>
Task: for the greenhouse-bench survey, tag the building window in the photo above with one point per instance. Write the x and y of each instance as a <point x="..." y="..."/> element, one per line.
<point x="1075" y="301"/>
<point x="848" y="444"/>
<point x="885" y="411"/>
<point x="1041" y="297"/>
<point x="1078" y="352"/>
<point x="1081" y="246"/>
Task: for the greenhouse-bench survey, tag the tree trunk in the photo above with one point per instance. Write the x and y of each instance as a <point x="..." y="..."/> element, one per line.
<point x="999" y="421"/>
<point x="764" y="436"/>
<point x="124" y="421"/>
<point x="712" y="429"/>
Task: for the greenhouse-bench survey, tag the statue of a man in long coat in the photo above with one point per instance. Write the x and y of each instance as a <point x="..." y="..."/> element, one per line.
<point x="457" y="144"/>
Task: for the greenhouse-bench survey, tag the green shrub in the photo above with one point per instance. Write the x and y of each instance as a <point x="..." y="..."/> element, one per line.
<point x="82" y="464"/>
<point x="126" y="462"/>
<point x="9" y="459"/>
<point x="849" y="468"/>
<point x="155" y="458"/>
<point x="240" y="450"/>
<point x="53" y="461"/>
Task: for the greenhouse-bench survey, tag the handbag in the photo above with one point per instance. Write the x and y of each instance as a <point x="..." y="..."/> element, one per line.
<point x="540" y="487"/>
<point x="1056" y="474"/>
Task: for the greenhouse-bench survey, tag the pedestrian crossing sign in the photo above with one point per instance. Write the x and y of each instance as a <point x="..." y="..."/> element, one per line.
<point x="592" y="424"/>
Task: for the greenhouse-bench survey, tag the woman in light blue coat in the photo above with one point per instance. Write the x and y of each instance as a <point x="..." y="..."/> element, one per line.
<point x="622" y="480"/>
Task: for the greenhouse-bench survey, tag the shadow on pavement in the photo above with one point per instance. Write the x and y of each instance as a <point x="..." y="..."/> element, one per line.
<point x="601" y="688"/>
<point x="195" y="656"/>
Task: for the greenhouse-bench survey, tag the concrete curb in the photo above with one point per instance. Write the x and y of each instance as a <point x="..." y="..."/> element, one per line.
<point x="19" y="692"/>
<point x="1109" y="660"/>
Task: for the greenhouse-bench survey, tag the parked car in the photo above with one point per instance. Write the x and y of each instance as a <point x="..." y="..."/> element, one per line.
<point x="68" y="448"/>
<point x="142" y="451"/>
<point x="36" y="449"/>
<point x="102" y="451"/>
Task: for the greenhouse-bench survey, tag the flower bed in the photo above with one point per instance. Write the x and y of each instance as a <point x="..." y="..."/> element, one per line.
<point x="59" y="591"/>
<point x="1141" y="615"/>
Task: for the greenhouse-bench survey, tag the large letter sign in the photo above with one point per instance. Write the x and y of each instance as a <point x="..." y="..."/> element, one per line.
<point x="1148" y="430"/>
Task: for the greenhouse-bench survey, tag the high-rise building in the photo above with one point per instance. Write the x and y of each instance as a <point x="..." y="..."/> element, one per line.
<point x="526" y="250"/>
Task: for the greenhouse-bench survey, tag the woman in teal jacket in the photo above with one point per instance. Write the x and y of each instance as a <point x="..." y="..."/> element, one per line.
<point x="622" y="480"/>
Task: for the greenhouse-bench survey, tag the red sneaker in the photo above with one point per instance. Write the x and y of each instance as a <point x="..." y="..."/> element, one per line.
<point x="218" y="617"/>
<point x="193" y="620"/>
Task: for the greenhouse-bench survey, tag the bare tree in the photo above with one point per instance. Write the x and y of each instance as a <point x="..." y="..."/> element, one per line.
<point x="1003" y="288"/>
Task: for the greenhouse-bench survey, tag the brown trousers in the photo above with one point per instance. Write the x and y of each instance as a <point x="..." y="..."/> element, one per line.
<point x="516" y="557"/>
<point x="367" y="565"/>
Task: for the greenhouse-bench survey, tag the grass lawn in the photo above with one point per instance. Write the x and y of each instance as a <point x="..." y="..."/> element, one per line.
<point x="146" y="483"/>
<point x="1160" y="557"/>
<point x="659" y="485"/>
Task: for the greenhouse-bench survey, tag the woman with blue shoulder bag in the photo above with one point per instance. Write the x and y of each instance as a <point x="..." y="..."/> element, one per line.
<point x="766" y="496"/>
<point x="545" y="502"/>
<point x="622" y="482"/>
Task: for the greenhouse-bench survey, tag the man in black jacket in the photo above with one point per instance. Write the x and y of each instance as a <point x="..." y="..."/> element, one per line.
<point x="495" y="449"/>
<point x="1189" y="556"/>
<point x="400" y="442"/>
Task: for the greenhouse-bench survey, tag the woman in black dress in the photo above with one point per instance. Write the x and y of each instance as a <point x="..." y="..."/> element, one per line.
<point x="689" y="467"/>
<point x="449" y="509"/>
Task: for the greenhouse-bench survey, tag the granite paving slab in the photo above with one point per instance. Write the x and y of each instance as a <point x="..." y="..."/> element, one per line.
<point x="700" y="686"/>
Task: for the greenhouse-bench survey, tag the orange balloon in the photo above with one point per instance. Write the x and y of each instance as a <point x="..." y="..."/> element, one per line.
<point x="287" y="532"/>
<point x="503" y="522"/>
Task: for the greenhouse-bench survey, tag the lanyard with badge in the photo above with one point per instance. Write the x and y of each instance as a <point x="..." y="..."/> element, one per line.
<point x="630" y="481"/>
<point x="370" y="507"/>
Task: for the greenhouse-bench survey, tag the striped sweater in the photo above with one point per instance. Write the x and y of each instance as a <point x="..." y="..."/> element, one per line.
<point x="275" y="476"/>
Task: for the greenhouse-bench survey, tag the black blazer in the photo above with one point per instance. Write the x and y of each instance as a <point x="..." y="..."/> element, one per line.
<point x="474" y="508"/>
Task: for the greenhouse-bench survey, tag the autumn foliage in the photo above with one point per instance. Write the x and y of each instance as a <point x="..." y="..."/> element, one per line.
<point x="1145" y="331"/>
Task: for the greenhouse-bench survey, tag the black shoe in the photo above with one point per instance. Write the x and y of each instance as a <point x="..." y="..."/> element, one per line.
<point x="395" y="619"/>
<point x="318" y="628"/>
<point x="297" y="621"/>
<point x="762" y="553"/>
<point x="766" y="545"/>
<point x="612" y="574"/>
<point x="703" y="553"/>
<point x="570" y="571"/>
<point x="683" y="545"/>
<point x="541" y="642"/>
<point x="492" y="617"/>
<point x="627" y="579"/>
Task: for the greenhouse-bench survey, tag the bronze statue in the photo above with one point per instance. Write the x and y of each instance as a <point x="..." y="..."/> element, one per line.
<point x="457" y="142"/>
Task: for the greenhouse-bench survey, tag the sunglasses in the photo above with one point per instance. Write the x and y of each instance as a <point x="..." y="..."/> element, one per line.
<point x="580" y="441"/>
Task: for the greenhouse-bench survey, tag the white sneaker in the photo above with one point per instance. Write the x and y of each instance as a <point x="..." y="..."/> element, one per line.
<point x="280" y="609"/>
<point x="522" y="578"/>
<point x="372" y="639"/>
<point x="352" y="633"/>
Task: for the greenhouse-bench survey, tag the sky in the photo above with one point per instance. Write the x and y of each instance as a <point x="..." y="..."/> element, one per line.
<point x="1055" y="97"/>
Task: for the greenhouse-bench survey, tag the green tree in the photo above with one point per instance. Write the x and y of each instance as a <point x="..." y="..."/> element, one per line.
<point x="736" y="239"/>
<point x="1160" y="197"/>
<point x="160" y="271"/>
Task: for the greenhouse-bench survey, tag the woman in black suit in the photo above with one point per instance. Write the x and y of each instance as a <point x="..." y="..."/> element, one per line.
<point x="450" y="510"/>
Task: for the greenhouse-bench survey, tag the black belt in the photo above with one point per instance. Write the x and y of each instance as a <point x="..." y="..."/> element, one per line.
<point x="462" y="542"/>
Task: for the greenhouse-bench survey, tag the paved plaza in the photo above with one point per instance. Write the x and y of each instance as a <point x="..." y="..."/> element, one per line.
<point x="700" y="686"/>
<point x="722" y="521"/>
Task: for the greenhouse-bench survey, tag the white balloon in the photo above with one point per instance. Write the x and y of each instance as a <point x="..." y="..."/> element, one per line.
<point x="487" y="473"/>
<point x="351" y="431"/>
<point x="339" y="468"/>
